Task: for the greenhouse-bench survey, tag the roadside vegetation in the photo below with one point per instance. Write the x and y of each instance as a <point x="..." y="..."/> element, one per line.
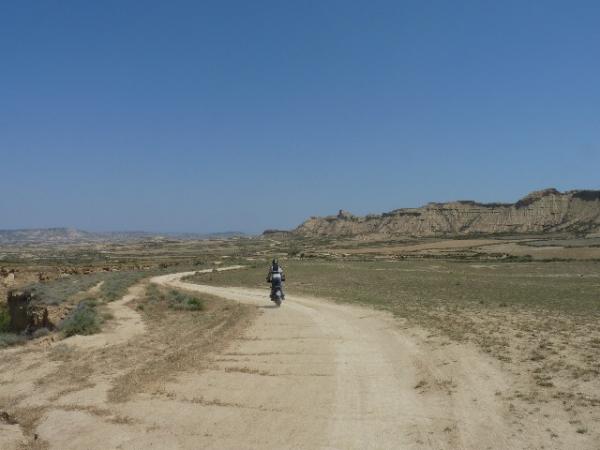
<point x="4" y="318"/>
<point x="60" y="290"/>
<point x="174" y="299"/>
<point x="7" y="338"/>
<point x="113" y="286"/>
<point x="85" y="297"/>
<point x="116" y="285"/>
<point x="186" y="327"/>
<point x="182" y="329"/>
<point x="84" y="320"/>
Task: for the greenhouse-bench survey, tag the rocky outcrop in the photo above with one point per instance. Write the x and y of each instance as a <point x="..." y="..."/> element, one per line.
<point x="542" y="211"/>
<point x="7" y="277"/>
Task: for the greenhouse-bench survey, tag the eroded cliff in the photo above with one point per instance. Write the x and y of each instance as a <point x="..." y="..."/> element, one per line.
<point x="542" y="211"/>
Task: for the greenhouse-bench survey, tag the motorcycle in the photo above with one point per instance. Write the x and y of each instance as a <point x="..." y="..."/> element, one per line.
<point x="276" y="279"/>
<point x="277" y="295"/>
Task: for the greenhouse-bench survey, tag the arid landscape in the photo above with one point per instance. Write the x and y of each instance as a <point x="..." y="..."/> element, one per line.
<point x="299" y="225"/>
<point x="385" y="340"/>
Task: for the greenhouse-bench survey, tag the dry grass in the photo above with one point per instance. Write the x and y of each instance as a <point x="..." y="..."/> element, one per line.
<point x="179" y="339"/>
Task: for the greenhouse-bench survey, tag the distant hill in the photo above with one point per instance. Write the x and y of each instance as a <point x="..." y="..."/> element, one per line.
<point x="541" y="211"/>
<point x="70" y="235"/>
<point x="39" y="235"/>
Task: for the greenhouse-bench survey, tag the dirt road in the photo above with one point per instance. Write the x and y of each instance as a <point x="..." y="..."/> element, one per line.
<point x="311" y="374"/>
<point x="315" y="374"/>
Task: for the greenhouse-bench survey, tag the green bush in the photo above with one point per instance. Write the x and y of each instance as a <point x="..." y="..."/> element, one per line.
<point x="4" y="319"/>
<point x="40" y="332"/>
<point x="84" y="320"/>
<point x="8" y="339"/>
<point x="179" y="300"/>
<point x="173" y="298"/>
<point x="194" y="304"/>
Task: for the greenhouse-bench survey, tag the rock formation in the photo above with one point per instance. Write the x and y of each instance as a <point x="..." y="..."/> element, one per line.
<point x="542" y="211"/>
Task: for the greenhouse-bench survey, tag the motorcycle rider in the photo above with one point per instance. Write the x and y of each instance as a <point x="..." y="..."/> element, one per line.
<point x="276" y="277"/>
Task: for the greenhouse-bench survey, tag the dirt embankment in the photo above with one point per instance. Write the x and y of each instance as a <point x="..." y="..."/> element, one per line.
<point x="66" y="394"/>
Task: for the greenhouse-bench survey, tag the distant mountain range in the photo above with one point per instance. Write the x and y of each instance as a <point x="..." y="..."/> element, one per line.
<point x="70" y="235"/>
<point x="547" y="210"/>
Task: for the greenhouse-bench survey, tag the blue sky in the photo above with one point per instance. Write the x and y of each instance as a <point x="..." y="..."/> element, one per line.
<point x="237" y="115"/>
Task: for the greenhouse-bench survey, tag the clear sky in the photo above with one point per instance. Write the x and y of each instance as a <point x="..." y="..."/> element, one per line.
<point x="244" y="115"/>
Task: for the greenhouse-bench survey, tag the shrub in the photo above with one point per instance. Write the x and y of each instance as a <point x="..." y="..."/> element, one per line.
<point x="8" y="339"/>
<point x="41" y="332"/>
<point x="194" y="304"/>
<point x="178" y="300"/>
<point x="4" y="319"/>
<point x="173" y="298"/>
<point x="84" y="320"/>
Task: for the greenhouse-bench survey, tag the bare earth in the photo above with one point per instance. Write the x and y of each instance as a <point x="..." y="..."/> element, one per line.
<point x="311" y="374"/>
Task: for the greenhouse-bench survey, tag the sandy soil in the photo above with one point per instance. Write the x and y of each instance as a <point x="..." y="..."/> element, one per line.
<point x="311" y="374"/>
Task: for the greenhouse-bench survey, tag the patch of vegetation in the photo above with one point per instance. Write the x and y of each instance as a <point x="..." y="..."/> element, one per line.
<point x="180" y="300"/>
<point x="183" y="337"/>
<point x="83" y="320"/>
<point x="116" y="284"/>
<point x="9" y="339"/>
<point x="40" y="332"/>
<point x="153" y="294"/>
<point x="4" y="319"/>
<point x="174" y="299"/>
<point x="57" y="291"/>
